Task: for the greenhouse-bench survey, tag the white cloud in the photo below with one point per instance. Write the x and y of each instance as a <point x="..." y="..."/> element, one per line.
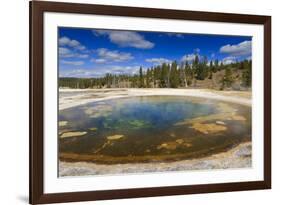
<point x="175" y="34"/>
<point x="196" y="50"/>
<point x="189" y="58"/>
<point x="65" y="41"/>
<point x="99" y="71"/>
<point x="99" y="60"/>
<point x="68" y="53"/>
<point x="70" y="48"/>
<point x="65" y="52"/>
<point x="128" y="70"/>
<point x="106" y="55"/>
<point x="242" y="49"/>
<point x="82" y="56"/>
<point x="79" y="73"/>
<point x="82" y="48"/>
<point x="229" y="60"/>
<point x="158" y="61"/>
<point x="74" y="63"/>
<point x="126" y="38"/>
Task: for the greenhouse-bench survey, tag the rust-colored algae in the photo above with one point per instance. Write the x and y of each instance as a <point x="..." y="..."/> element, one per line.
<point x="208" y="128"/>
<point x="172" y="145"/>
<point x="238" y="117"/>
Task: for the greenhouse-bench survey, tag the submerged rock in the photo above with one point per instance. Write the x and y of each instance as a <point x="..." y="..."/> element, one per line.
<point x="169" y="146"/>
<point x="98" y="111"/>
<point x="137" y="124"/>
<point x="62" y="123"/>
<point x="208" y="128"/>
<point x="72" y="134"/>
<point x="180" y="141"/>
<point x="172" y="145"/>
<point x="172" y="135"/>
<point x="93" y="129"/>
<point x="115" y="137"/>
<point x="238" y="117"/>
<point x="220" y="122"/>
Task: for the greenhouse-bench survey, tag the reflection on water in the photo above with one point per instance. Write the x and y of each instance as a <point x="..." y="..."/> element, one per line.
<point x="145" y="129"/>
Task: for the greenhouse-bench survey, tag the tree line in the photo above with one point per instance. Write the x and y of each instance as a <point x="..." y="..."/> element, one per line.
<point x="173" y="75"/>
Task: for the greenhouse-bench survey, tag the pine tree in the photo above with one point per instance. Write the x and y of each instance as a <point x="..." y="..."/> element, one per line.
<point x="141" y="80"/>
<point x="227" y="79"/>
<point x="196" y="60"/>
<point x="247" y="74"/>
<point x="147" y="79"/>
<point x="201" y="69"/>
<point x="216" y="66"/>
<point x="189" y="73"/>
<point x="164" y="76"/>
<point x="220" y="66"/>
<point x="174" y="76"/>
<point x="211" y="66"/>
<point x="183" y="77"/>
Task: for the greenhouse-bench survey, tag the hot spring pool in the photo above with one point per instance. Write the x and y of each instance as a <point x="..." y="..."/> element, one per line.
<point x="150" y="129"/>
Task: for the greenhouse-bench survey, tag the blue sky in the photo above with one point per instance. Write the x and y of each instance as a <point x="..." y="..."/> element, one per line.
<point x="93" y="53"/>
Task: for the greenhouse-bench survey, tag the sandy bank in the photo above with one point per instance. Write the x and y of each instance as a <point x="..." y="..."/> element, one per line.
<point x="73" y="97"/>
<point x="238" y="157"/>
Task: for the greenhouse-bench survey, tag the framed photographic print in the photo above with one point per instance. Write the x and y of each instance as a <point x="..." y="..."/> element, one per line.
<point x="139" y="102"/>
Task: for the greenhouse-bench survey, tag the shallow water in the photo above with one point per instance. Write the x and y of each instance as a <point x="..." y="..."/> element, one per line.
<point x="155" y="128"/>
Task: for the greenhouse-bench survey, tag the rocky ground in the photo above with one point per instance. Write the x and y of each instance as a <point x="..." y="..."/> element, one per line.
<point x="238" y="157"/>
<point x="74" y="97"/>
